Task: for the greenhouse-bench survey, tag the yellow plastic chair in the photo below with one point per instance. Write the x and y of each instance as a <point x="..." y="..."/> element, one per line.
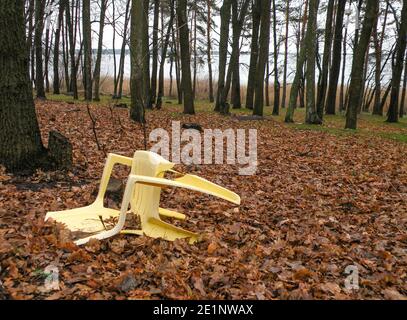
<point x="142" y="195"/>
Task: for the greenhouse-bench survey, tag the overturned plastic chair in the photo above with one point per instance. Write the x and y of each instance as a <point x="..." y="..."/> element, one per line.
<point x="142" y="195"/>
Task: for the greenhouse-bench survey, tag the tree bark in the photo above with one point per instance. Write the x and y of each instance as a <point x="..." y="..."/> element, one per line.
<point x="56" y="86"/>
<point x="358" y="64"/>
<point x="146" y="58"/>
<point x="155" y="52"/>
<point x="264" y="41"/>
<point x="163" y="56"/>
<point x="330" y="106"/>
<point x="287" y="24"/>
<point x="137" y="64"/>
<point x="209" y="44"/>
<point x="393" y="112"/>
<point x="20" y="138"/>
<point x="87" y="49"/>
<point x="39" y="27"/>
<point x="254" y="54"/>
<point x="234" y="57"/>
<point x="223" y="49"/>
<point x="73" y="86"/>
<point x="402" y="110"/>
<point x="311" y="115"/>
<point x="185" y="57"/>
<point x="378" y="65"/>
<point x="96" y="74"/>
<point x="326" y="59"/>
<point x="276" y="82"/>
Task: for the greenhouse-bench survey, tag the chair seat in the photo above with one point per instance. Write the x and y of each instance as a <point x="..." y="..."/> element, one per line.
<point x="86" y="219"/>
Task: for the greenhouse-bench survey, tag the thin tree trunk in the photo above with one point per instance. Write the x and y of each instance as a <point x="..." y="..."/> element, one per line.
<point x="393" y="112"/>
<point x="87" y="49"/>
<point x="234" y="62"/>
<point x="195" y="56"/>
<point x="223" y="49"/>
<point x="330" y="107"/>
<point x="185" y="57"/>
<point x="403" y="95"/>
<point x="276" y="82"/>
<point x="254" y="54"/>
<point x="56" y="87"/>
<point x="48" y="46"/>
<point x="341" y="95"/>
<point x="264" y="41"/>
<point x="163" y="56"/>
<point x="287" y="24"/>
<point x="209" y="51"/>
<point x="378" y="55"/>
<point x="137" y="63"/>
<point x="123" y="51"/>
<point x="155" y="52"/>
<point x="146" y="59"/>
<point x="322" y="88"/>
<point x="39" y="26"/>
<point x="73" y="87"/>
<point x="96" y="74"/>
<point x="311" y="115"/>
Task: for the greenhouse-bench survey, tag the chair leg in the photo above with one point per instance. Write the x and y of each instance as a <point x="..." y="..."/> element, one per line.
<point x="171" y="214"/>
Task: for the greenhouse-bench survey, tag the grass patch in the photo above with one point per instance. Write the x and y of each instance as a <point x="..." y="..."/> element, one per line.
<point x="368" y="124"/>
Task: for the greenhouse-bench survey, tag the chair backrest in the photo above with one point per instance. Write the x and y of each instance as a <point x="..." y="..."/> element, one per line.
<point x="146" y="199"/>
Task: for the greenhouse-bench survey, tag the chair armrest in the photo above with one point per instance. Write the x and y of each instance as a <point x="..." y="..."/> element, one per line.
<point x="190" y="182"/>
<point x="112" y="159"/>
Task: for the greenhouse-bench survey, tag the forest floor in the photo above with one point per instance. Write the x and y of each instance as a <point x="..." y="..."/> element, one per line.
<point x="323" y="199"/>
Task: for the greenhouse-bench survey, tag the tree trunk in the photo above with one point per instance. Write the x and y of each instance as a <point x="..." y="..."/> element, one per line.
<point x="403" y="95"/>
<point x="276" y="82"/>
<point x="254" y="54"/>
<point x="185" y="57"/>
<point x="31" y="47"/>
<point x="96" y="74"/>
<point x="234" y="61"/>
<point x="195" y="55"/>
<point x="311" y="115"/>
<point x="358" y="64"/>
<point x="119" y="92"/>
<point x="393" y="112"/>
<point x="175" y="37"/>
<point x="137" y="64"/>
<point x="20" y="138"/>
<point x="223" y="49"/>
<point x="325" y="60"/>
<point x="295" y="86"/>
<point x="56" y="86"/>
<point x="87" y="49"/>
<point x="163" y="57"/>
<point x="287" y="24"/>
<point x="237" y="30"/>
<point x="341" y="94"/>
<point x="330" y="106"/>
<point x="73" y="87"/>
<point x="39" y="27"/>
<point x="47" y="48"/>
<point x="378" y="66"/>
<point x="264" y="42"/>
<point x="155" y="52"/>
<point x="209" y="51"/>
<point x="146" y="58"/>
